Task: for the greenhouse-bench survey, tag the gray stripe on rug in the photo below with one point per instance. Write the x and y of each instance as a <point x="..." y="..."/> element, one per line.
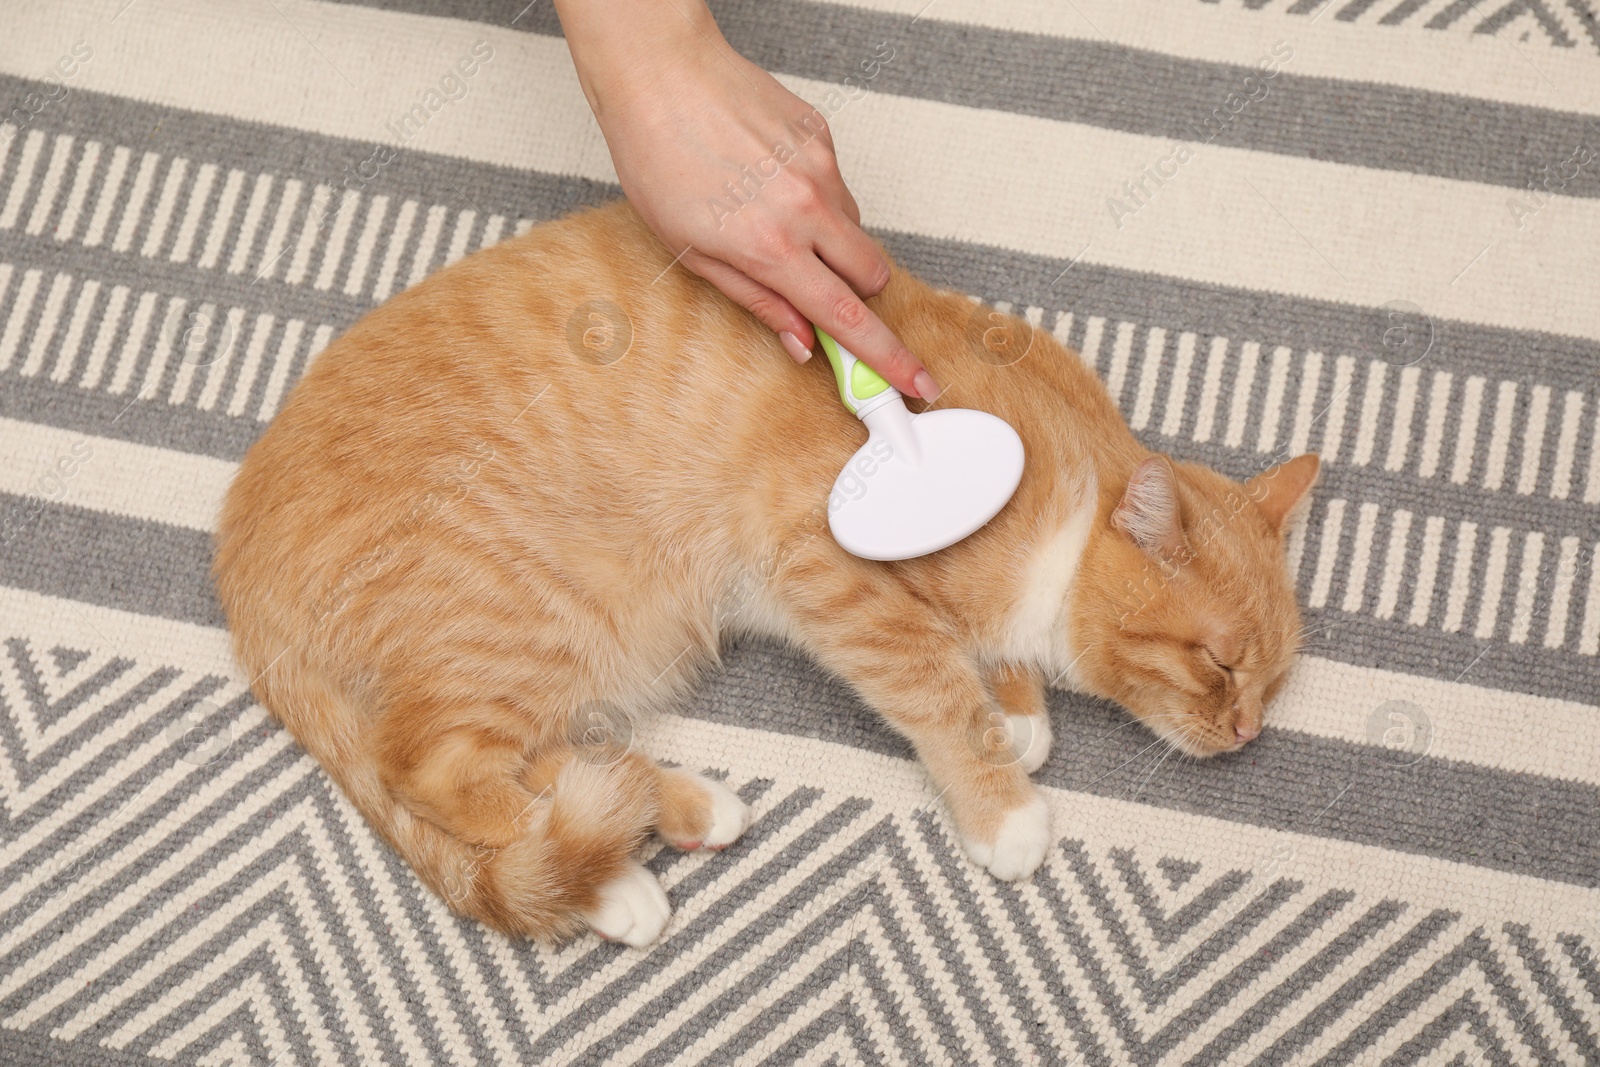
<point x="1287" y="780"/>
<point x="1099" y="83"/>
<point x="37" y="1048"/>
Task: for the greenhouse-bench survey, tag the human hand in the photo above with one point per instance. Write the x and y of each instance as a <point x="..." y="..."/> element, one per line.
<point x="738" y="174"/>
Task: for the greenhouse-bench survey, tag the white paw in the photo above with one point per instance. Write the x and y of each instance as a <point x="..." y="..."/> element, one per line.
<point x="1019" y="847"/>
<point x="729" y="815"/>
<point x="1030" y="740"/>
<point x="633" y="908"/>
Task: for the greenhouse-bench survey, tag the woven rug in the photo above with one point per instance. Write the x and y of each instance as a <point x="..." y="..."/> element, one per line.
<point x="1369" y="229"/>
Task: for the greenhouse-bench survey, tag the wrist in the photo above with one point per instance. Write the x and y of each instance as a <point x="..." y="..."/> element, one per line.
<point x="618" y="46"/>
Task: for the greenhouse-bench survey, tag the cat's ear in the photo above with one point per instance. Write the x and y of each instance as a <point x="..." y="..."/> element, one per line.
<point x="1148" y="513"/>
<point x="1277" y="490"/>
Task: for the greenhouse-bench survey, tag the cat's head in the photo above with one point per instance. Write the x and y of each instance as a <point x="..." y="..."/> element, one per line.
<point x="1189" y="619"/>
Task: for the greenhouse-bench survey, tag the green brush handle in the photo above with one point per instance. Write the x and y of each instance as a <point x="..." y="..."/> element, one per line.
<point x="861" y="388"/>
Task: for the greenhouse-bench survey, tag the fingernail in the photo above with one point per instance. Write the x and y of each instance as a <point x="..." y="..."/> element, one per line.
<point x="927" y="388"/>
<point x="791" y="344"/>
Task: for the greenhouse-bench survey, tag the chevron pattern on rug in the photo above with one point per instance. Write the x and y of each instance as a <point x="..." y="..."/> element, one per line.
<point x="179" y="879"/>
<point x="1572" y="24"/>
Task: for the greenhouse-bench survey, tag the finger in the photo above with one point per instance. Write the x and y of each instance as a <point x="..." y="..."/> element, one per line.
<point x="823" y="170"/>
<point x="851" y="210"/>
<point x="855" y="257"/>
<point x="835" y="191"/>
<point x="776" y="313"/>
<point x="813" y="124"/>
<point x="824" y="298"/>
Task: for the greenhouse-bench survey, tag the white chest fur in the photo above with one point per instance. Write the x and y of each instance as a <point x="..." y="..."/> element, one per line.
<point x="1036" y="629"/>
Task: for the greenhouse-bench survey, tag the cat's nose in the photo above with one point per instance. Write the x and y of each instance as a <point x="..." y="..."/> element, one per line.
<point x="1246" y="732"/>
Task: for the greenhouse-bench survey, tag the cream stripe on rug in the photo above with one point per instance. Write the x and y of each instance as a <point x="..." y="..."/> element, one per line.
<point x="1485" y="67"/>
<point x="1284" y="225"/>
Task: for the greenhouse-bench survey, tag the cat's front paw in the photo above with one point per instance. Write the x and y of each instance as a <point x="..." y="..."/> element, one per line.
<point x="1019" y="844"/>
<point x="1030" y="740"/>
<point x="633" y="908"/>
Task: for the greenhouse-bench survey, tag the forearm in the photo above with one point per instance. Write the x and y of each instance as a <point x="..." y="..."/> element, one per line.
<point x="620" y="44"/>
<point x="684" y="117"/>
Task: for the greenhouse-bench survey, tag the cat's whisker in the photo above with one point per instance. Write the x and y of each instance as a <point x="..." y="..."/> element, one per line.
<point x="1155" y="758"/>
<point x="1179" y="724"/>
<point x="1130" y="759"/>
<point x="1306" y="631"/>
<point x="1150" y="722"/>
<point x="1150" y="777"/>
<point x="1115" y="729"/>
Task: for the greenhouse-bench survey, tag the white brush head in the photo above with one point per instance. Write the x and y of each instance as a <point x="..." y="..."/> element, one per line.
<point x="923" y="482"/>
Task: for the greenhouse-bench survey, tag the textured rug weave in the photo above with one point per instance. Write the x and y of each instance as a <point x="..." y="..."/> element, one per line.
<point x="1369" y="229"/>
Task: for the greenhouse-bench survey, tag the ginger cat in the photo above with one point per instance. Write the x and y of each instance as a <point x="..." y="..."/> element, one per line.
<point x="486" y="508"/>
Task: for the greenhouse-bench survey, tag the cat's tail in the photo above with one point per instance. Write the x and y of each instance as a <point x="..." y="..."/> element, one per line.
<point x="577" y="838"/>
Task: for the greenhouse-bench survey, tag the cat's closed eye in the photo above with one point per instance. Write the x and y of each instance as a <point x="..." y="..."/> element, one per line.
<point x="1217" y="661"/>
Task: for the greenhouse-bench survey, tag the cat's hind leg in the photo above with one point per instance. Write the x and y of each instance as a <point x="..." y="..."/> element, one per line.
<point x="697" y="811"/>
<point x="535" y="844"/>
<point x="543" y="830"/>
<point x="692" y="811"/>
